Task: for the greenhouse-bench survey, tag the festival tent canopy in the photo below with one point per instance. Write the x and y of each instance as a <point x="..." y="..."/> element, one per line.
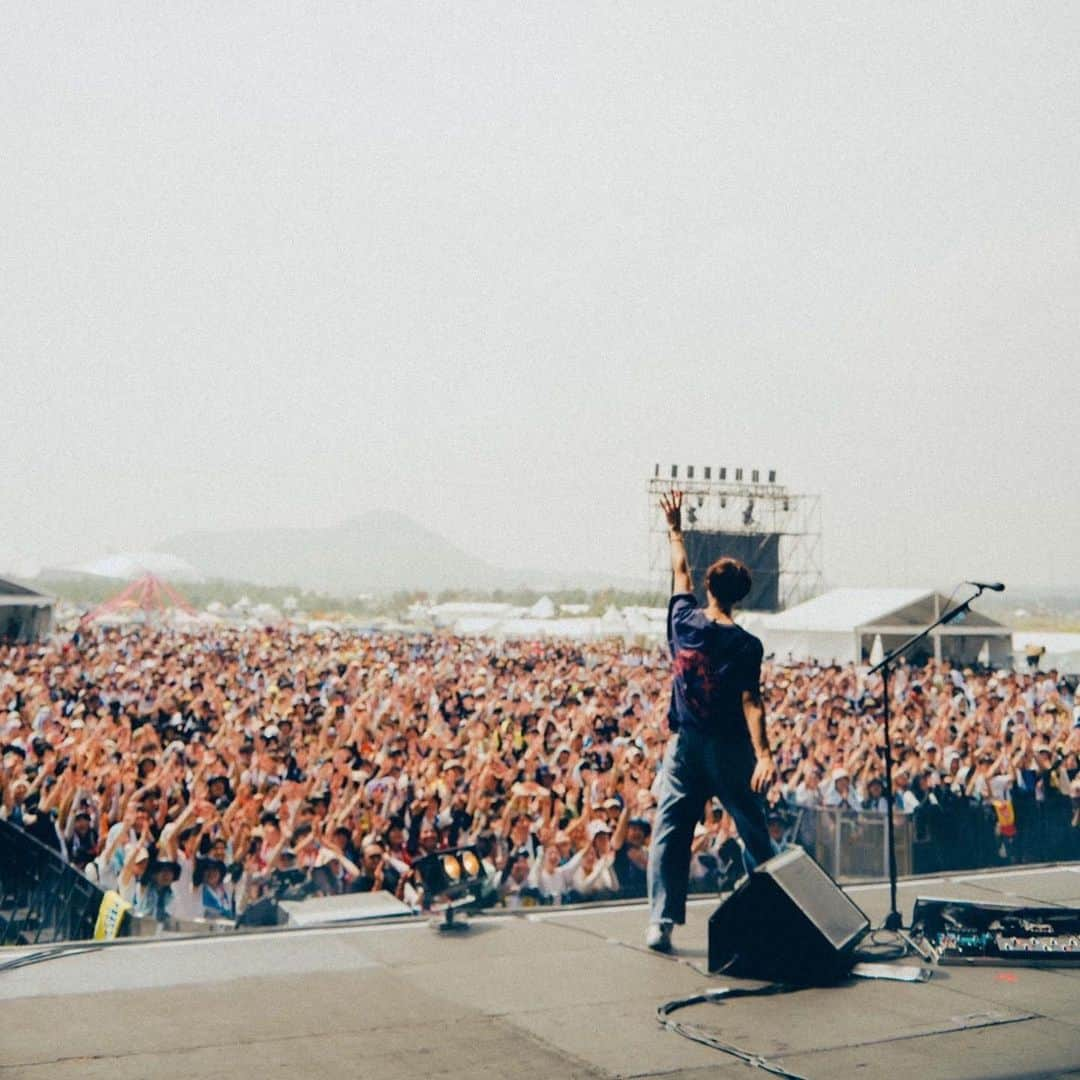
<point x="25" y="614"/>
<point x="843" y="625"/>
<point x="544" y="608"/>
<point x="449" y="613"/>
<point x="129" y="565"/>
<point x="145" y="597"/>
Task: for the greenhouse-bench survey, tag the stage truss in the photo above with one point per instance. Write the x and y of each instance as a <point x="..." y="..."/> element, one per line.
<point x="718" y="504"/>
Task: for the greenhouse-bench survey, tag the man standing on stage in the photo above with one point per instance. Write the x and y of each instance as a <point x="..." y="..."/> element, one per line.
<point x="718" y="745"/>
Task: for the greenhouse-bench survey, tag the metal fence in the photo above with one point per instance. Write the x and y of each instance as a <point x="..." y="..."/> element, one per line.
<point x="962" y="836"/>
<point x="42" y="898"/>
<point x="853" y="844"/>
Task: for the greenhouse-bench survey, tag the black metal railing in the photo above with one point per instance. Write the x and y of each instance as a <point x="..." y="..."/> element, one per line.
<point x="42" y="898"/>
<point x="957" y="835"/>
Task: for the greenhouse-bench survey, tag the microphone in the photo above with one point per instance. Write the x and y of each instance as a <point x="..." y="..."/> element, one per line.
<point x="993" y="586"/>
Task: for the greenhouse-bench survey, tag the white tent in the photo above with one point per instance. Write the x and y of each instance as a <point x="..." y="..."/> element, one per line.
<point x="841" y="626"/>
<point x="126" y="565"/>
<point x="544" y="608"/>
<point x="451" y="612"/>
<point x="1062" y="650"/>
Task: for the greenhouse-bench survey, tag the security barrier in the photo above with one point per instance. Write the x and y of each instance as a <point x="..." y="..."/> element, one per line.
<point x="42" y="898"/>
<point x="965" y="835"/>
<point x="853" y="844"/>
<point x="960" y="835"/>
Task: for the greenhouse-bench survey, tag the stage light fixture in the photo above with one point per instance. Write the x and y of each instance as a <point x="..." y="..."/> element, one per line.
<point x="674" y="472"/>
<point x="772" y="476"/>
<point x="786" y="505"/>
<point x="755" y="476"/>
<point x="723" y="472"/>
<point x="454" y="880"/>
<point x="656" y="470"/>
<point x="689" y="472"/>
<point x="691" y="516"/>
<point x="723" y="502"/>
<point x="738" y="474"/>
<point x="708" y="472"/>
<point x="748" y="514"/>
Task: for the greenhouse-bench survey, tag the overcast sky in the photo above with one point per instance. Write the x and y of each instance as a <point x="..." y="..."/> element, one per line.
<point x="486" y="263"/>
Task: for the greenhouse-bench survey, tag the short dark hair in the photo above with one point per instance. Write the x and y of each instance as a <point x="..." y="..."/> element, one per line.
<point x="728" y="581"/>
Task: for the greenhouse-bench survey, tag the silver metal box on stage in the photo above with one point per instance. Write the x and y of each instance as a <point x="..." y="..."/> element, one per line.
<point x="352" y="907"/>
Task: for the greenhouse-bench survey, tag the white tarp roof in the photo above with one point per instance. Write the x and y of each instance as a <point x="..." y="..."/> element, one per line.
<point x="133" y="564"/>
<point x="842" y="610"/>
<point x="835" y="627"/>
<point x="544" y="608"/>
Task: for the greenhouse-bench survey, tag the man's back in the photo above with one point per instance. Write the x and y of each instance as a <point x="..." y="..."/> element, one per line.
<point x="713" y="663"/>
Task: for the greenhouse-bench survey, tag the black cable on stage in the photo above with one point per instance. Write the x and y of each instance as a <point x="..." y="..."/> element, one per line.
<point x="705" y="1038"/>
<point x="876" y="951"/>
<point x="41" y="955"/>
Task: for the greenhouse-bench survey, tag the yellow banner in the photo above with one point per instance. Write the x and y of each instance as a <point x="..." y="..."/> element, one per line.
<point x="110" y="916"/>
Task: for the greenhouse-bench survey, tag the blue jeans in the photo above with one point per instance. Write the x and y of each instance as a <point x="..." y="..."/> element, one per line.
<point x="698" y="767"/>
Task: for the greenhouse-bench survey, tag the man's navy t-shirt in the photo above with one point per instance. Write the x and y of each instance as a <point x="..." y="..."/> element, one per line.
<point x="712" y="664"/>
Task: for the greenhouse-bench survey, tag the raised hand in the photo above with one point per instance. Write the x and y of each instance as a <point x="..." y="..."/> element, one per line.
<point x="671" y="504"/>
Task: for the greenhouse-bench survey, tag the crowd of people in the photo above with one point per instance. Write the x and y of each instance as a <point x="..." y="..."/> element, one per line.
<point x="199" y="774"/>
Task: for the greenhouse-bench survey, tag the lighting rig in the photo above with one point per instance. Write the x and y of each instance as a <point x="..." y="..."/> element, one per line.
<point x="455" y="881"/>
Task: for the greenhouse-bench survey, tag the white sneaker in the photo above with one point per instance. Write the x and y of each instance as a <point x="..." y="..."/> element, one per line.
<point x="658" y="936"/>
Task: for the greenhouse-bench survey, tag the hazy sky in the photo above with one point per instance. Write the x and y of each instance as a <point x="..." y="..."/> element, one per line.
<point x="269" y="263"/>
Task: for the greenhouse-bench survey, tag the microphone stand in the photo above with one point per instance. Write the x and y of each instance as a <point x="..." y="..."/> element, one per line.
<point x="894" y="921"/>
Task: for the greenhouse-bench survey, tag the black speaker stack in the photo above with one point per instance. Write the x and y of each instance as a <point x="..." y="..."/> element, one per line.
<point x="787" y="922"/>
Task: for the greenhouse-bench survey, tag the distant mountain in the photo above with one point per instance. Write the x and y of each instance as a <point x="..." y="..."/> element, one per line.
<point x="379" y="551"/>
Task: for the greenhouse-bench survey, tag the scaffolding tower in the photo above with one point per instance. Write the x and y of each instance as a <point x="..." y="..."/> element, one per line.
<point x="744" y="503"/>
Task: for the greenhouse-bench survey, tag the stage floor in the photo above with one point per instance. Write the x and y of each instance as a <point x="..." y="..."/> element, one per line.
<point x="553" y="993"/>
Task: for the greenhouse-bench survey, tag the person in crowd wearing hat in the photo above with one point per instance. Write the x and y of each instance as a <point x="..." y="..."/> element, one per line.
<point x="332" y="873"/>
<point x="214" y="890"/>
<point x="154" y="894"/>
<point x="82" y="840"/>
<point x="378" y="872"/>
<point x="904" y="799"/>
<point x="778" y="832"/>
<point x="514" y="889"/>
<point x="630" y="844"/>
<point x="719" y="745"/>
<point x="840" y="793"/>
<point x="875" y="796"/>
<point x="592" y="876"/>
<point x="548" y="877"/>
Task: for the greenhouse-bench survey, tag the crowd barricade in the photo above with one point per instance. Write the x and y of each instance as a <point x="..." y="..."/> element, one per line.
<point x="969" y="835"/>
<point x="852" y="843"/>
<point x="960" y="835"/>
<point x="42" y="898"/>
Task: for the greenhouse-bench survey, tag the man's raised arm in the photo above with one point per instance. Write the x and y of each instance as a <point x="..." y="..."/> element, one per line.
<point x="671" y="504"/>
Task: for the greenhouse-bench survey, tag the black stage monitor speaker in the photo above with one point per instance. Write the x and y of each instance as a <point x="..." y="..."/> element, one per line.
<point x="788" y="922"/>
